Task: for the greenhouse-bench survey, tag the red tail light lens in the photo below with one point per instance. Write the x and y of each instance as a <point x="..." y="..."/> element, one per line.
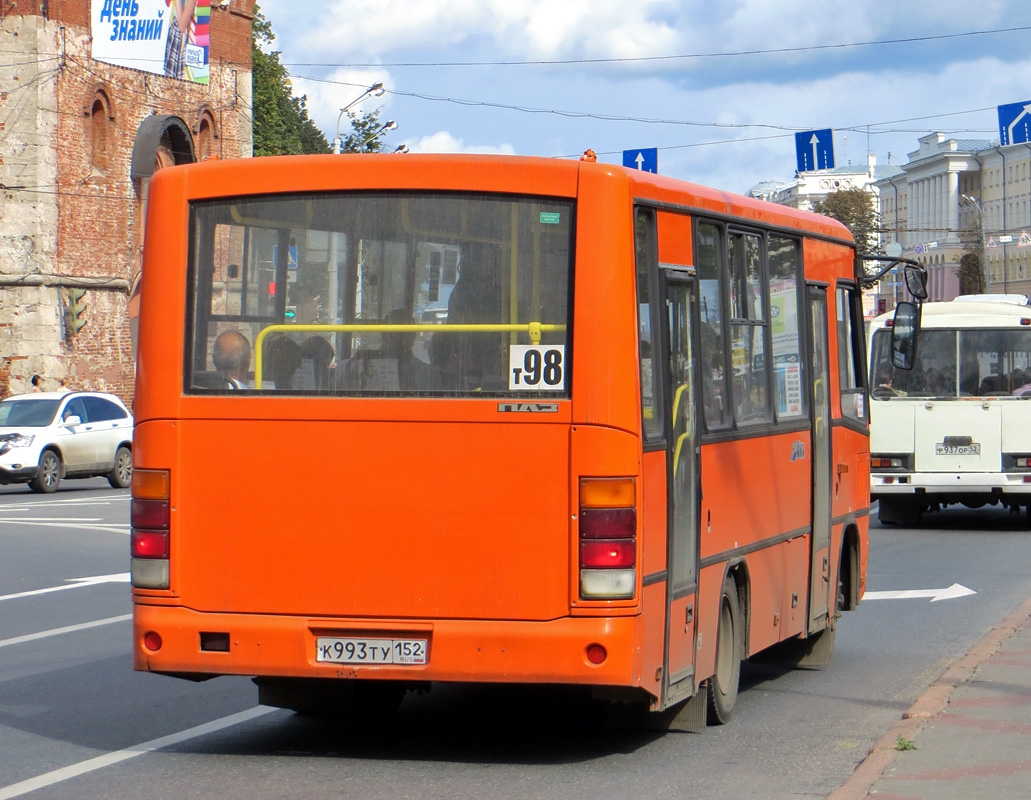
<point x="149" y="514"/>
<point x="608" y="523"/>
<point x="608" y="553"/>
<point x="149" y="544"/>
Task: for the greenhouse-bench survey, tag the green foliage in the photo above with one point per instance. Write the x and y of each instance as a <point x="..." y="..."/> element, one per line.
<point x="902" y="743"/>
<point x="363" y="128"/>
<point x="854" y="209"/>
<point x="281" y="122"/>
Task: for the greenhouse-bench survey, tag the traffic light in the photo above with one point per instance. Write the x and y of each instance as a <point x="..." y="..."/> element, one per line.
<point x="75" y="310"/>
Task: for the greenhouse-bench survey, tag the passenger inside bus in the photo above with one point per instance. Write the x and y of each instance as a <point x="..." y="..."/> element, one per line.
<point x="231" y="355"/>
<point x="282" y="358"/>
<point x="391" y="366"/>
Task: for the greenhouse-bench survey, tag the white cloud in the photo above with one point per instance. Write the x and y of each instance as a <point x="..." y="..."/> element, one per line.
<point x="444" y="142"/>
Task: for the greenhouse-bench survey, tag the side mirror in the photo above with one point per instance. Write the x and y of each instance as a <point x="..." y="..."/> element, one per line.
<point x="916" y="281"/>
<point x="72" y="420"/>
<point x="903" y="335"/>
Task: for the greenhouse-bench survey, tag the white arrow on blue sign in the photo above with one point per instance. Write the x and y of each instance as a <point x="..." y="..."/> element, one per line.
<point x="814" y="149"/>
<point x="1015" y="123"/>
<point x="646" y="159"/>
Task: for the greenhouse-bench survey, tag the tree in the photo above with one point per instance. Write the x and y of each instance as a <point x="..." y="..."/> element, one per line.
<point x="281" y="122"/>
<point x="971" y="277"/>
<point x="854" y="209"/>
<point x="364" y="138"/>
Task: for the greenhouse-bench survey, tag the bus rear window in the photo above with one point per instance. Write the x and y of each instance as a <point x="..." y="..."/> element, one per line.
<point x="380" y="294"/>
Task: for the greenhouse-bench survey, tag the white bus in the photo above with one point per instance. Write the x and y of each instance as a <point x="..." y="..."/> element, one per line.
<point x="957" y="427"/>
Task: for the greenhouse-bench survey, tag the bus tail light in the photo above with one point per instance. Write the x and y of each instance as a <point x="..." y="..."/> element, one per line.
<point x="150" y="515"/>
<point x="608" y="538"/>
<point x="886" y="463"/>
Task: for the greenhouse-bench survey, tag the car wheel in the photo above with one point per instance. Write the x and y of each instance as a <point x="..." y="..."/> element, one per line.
<point x="121" y="476"/>
<point x="48" y="477"/>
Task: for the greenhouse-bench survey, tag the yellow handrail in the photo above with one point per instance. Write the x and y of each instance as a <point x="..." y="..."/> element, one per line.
<point x="533" y="329"/>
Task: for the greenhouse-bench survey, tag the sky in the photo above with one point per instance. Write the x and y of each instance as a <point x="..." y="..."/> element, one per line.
<point x="720" y="88"/>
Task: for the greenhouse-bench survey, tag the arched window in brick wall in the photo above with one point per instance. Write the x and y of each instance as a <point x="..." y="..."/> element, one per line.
<point x="101" y="132"/>
<point x="207" y="135"/>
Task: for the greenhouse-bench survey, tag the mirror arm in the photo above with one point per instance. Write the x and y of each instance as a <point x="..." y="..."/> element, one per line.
<point x="868" y="280"/>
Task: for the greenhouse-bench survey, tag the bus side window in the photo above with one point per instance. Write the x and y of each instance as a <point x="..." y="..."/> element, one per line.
<point x="850" y="368"/>
<point x="647" y="264"/>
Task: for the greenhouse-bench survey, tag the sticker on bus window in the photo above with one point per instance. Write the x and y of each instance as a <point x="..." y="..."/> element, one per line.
<point x="550" y="218"/>
<point x="537" y="367"/>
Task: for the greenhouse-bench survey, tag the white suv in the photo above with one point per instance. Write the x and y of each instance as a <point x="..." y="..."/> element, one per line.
<point x="48" y="436"/>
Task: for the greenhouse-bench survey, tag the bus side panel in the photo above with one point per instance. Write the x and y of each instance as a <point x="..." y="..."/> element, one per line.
<point x="778" y="587"/>
<point x="754" y="489"/>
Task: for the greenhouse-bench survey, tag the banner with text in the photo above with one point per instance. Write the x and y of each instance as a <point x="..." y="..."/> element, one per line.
<point x="167" y="37"/>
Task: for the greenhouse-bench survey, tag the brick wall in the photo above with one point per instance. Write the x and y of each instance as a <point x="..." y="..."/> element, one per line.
<point x="78" y="220"/>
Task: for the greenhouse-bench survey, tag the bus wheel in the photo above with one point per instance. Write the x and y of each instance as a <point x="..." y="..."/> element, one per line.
<point x="723" y="685"/>
<point x="900" y="510"/>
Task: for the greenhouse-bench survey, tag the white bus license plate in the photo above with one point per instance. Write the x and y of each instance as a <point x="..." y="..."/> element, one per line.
<point x="957" y="449"/>
<point x="370" y="651"/>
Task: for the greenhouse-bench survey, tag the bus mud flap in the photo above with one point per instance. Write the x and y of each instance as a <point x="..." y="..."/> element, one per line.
<point x="689" y="715"/>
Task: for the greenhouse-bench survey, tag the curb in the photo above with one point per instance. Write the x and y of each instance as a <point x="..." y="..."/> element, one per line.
<point x="931" y="702"/>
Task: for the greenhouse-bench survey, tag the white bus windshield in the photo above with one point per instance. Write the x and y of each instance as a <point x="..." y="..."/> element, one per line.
<point x="991" y="362"/>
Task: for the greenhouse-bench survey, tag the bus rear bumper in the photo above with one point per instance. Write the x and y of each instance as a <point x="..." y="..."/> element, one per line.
<point x="950" y="483"/>
<point x="554" y="651"/>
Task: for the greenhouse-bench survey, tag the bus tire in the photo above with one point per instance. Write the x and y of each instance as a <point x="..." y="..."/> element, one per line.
<point x="723" y="685"/>
<point x="900" y="510"/>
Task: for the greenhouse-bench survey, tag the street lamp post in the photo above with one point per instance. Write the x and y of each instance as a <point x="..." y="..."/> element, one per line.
<point x="391" y="125"/>
<point x="376" y="90"/>
<point x="982" y="259"/>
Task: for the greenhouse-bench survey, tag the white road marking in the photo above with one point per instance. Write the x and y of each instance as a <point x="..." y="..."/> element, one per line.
<point x="72" y="583"/>
<point x="32" y="637"/>
<point x="106" y="760"/>
<point x="110" y="527"/>
<point x="954" y="591"/>
<point x="94" y="500"/>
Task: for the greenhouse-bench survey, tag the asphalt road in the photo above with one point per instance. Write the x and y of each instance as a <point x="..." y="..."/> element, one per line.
<point x="77" y="722"/>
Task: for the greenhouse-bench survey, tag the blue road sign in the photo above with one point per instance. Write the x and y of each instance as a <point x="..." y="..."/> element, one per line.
<point x="646" y="159"/>
<point x="814" y="150"/>
<point x="1014" y="123"/>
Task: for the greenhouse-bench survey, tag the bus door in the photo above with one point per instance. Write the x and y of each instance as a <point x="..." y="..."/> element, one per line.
<point x="819" y="586"/>
<point x="682" y="490"/>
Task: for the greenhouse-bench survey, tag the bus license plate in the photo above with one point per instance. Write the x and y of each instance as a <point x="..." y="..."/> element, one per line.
<point x="957" y="449"/>
<point x="370" y="651"/>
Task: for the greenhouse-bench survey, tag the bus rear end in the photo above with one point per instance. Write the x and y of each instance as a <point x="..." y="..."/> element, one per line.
<point x="954" y="430"/>
<point x="387" y="483"/>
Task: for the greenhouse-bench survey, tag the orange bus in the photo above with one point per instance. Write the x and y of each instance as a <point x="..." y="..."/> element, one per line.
<point x="412" y="419"/>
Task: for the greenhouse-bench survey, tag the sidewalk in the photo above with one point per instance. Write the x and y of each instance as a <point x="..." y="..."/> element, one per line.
<point x="971" y="729"/>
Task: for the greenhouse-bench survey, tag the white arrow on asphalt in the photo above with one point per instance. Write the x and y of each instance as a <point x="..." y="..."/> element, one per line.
<point x="954" y="591"/>
<point x="1016" y="119"/>
<point x="73" y="583"/>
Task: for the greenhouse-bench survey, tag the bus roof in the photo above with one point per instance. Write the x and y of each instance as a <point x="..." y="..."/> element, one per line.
<point x="968" y="313"/>
<point x="464" y="172"/>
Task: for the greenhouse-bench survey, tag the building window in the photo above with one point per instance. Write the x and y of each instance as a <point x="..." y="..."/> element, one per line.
<point x="101" y="129"/>
<point x="207" y="136"/>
